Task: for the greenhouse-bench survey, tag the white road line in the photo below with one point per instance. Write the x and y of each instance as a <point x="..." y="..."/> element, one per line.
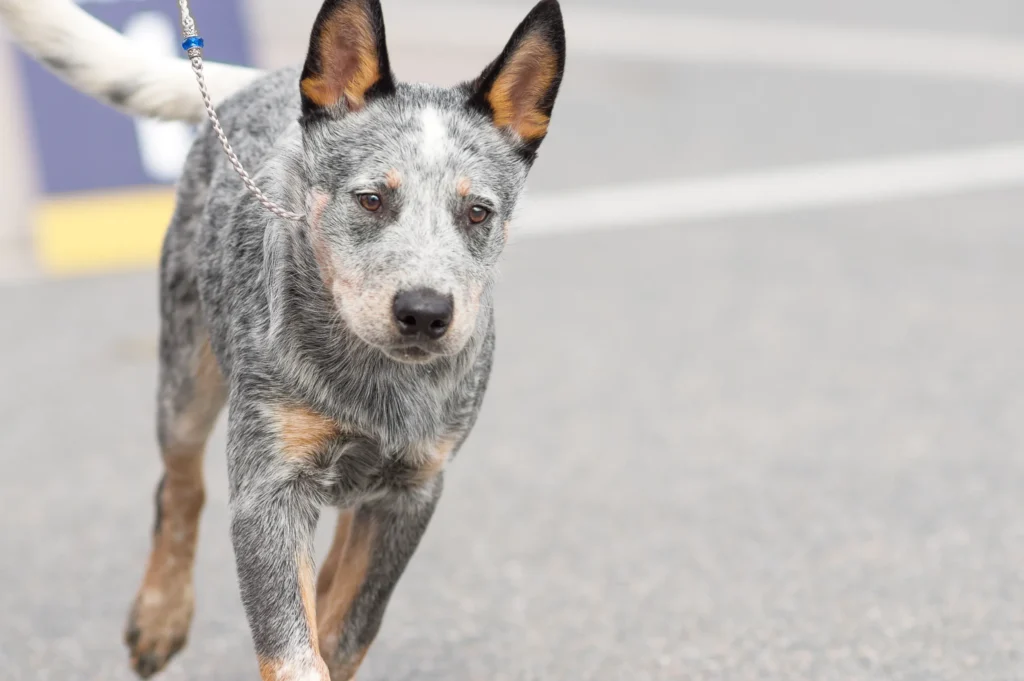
<point x="686" y="38"/>
<point x="780" y="190"/>
<point x="772" y="191"/>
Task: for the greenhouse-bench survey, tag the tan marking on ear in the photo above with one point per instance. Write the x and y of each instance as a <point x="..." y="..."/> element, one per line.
<point x="318" y="91"/>
<point x="303" y="433"/>
<point x="505" y="228"/>
<point x="393" y="178"/>
<point x="350" y="558"/>
<point x="464" y="186"/>
<point x="521" y="86"/>
<point x="348" y="60"/>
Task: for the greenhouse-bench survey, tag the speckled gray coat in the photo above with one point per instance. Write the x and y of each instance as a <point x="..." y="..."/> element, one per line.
<point x="338" y="391"/>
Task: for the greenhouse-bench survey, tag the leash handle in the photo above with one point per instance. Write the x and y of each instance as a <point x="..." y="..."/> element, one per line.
<point x="193" y="46"/>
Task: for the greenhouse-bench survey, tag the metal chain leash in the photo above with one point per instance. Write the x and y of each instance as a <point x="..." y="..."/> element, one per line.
<point x="193" y="46"/>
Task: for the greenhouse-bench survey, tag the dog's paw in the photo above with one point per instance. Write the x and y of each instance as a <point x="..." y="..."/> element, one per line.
<point x="158" y="628"/>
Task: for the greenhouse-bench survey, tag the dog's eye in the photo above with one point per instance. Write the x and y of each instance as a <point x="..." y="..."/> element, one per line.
<point x="371" y="202"/>
<point x="477" y="214"/>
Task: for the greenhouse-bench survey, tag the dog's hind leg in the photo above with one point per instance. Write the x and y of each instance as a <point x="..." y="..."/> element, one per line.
<point x="191" y="395"/>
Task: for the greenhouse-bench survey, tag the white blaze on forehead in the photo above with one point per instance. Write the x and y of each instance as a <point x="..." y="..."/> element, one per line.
<point x="435" y="136"/>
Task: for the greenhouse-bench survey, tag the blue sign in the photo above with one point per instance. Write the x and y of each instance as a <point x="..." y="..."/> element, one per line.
<point x="83" y="145"/>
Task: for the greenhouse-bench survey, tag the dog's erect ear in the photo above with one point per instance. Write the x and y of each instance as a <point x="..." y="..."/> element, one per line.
<point x="348" y="59"/>
<point x="518" y="90"/>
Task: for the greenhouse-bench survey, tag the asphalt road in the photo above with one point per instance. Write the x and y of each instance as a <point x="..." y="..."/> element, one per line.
<point x="785" y="447"/>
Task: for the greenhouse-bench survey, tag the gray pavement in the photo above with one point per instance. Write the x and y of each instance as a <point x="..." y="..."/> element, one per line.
<point x="784" y="447"/>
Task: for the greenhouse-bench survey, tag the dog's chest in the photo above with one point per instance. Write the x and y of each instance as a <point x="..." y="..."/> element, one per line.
<point x="346" y="463"/>
<point x="355" y="467"/>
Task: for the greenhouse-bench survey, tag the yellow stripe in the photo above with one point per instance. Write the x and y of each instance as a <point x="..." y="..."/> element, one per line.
<point x="102" y="231"/>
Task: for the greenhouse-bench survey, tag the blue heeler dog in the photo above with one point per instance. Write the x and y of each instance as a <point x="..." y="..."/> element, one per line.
<point x="353" y="348"/>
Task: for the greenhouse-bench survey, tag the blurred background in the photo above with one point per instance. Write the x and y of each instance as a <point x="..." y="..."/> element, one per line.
<point x="757" y="408"/>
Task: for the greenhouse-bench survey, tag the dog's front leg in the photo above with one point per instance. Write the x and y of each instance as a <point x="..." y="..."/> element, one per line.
<point x="372" y="546"/>
<point x="272" y="532"/>
<point x="273" y="518"/>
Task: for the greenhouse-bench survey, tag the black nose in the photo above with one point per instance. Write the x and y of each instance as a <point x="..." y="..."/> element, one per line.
<point x="423" y="312"/>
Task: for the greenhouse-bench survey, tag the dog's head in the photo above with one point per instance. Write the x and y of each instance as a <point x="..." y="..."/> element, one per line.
<point x="411" y="187"/>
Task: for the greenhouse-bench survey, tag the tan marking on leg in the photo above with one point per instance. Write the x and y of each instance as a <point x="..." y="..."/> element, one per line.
<point x="208" y="375"/>
<point x="393" y="178"/>
<point x="307" y="592"/>
<point x="162" y="613"/>
<point x="333" y="560"/>
<point x="464" y="186"/>
<point x="268" y="669"/>
<point x="302" y="432"/>
<point x="192" y="426"/>
<point x="352" y="566"/>
<point x="310" y="669"/>
<point x="164" y="605"/>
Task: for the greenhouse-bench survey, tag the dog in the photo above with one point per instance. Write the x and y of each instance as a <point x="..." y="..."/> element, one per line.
<point x="353" y="347"/>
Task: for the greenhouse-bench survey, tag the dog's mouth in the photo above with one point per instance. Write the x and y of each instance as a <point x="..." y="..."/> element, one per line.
<point x="411" y="354"/>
